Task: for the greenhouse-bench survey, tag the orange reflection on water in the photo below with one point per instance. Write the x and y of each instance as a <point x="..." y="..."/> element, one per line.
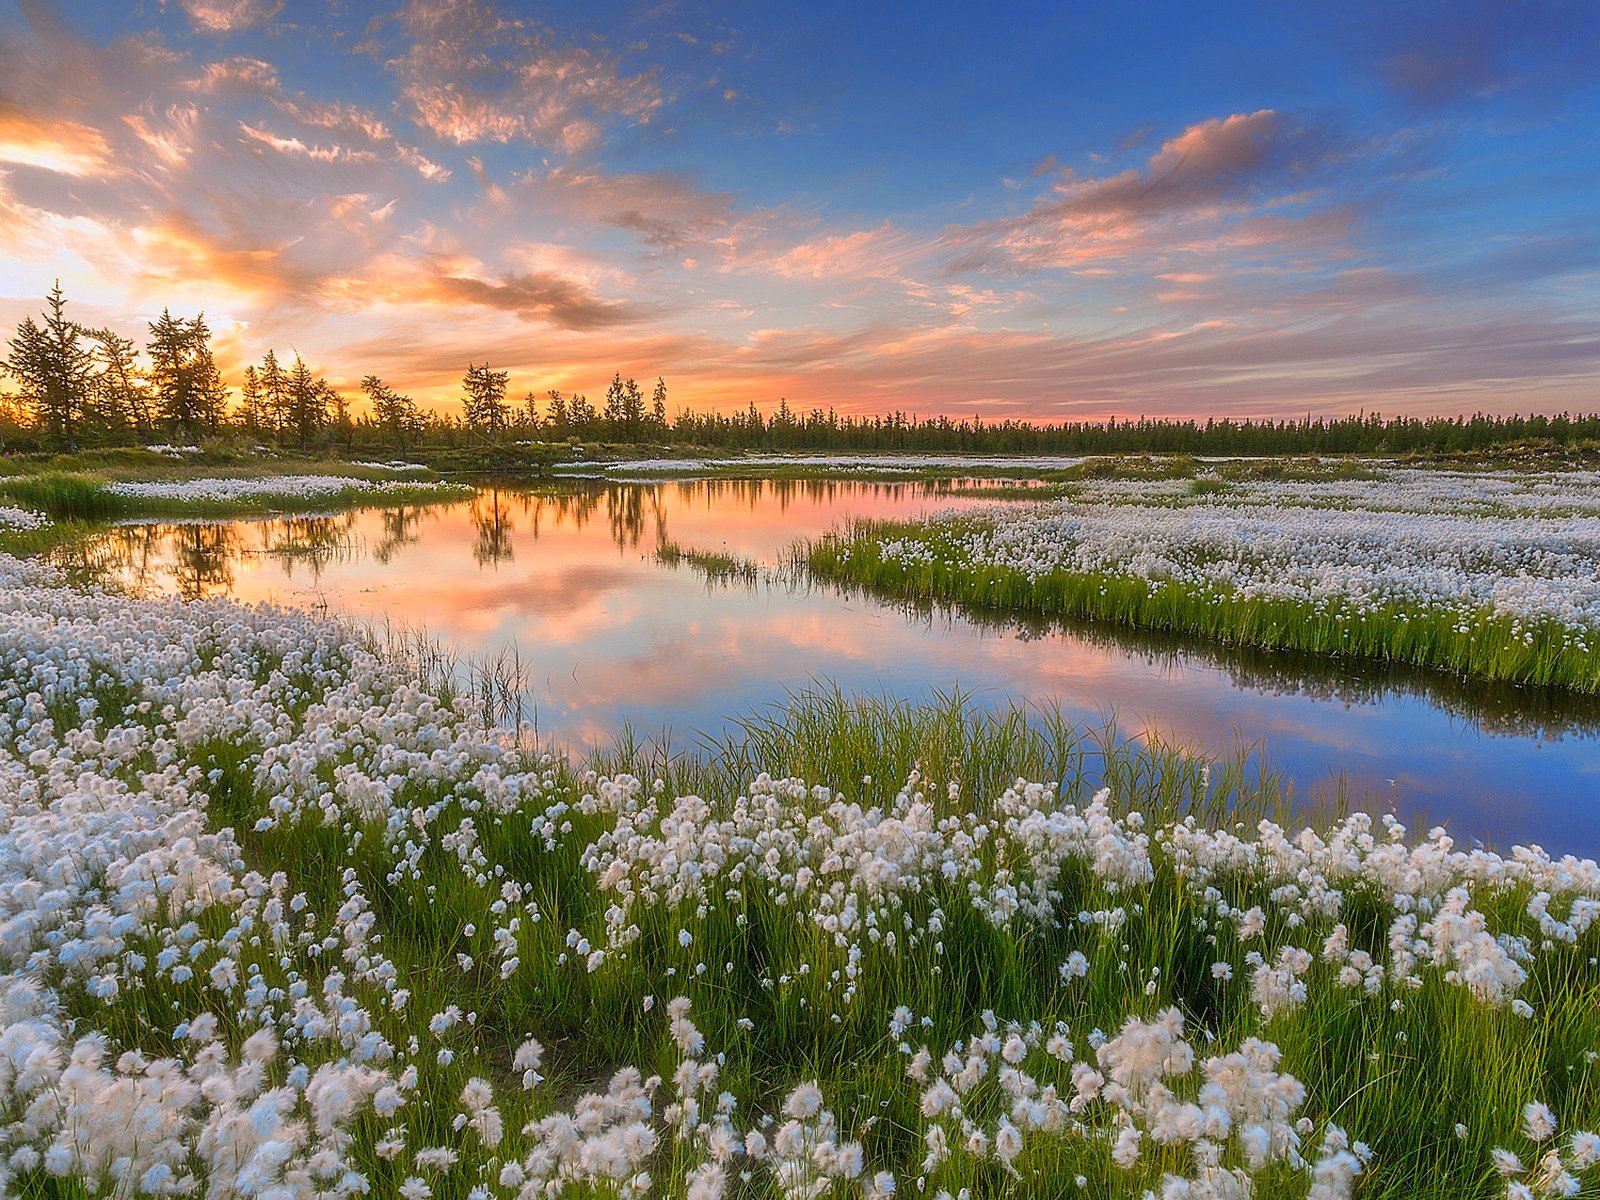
<point x="608" y="636"/>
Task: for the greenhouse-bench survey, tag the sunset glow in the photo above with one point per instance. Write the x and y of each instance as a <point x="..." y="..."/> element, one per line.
<point x="1048" y="213"/>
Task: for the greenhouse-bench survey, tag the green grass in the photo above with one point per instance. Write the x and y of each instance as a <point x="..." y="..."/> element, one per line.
<point x="1489" y="646"/>
<point x="63" y="497"/>
<point x="717" y="566"/>
<point x="1457" y="1061"/>
<point x="235" y="459"/>
<point x="80" y="498"/>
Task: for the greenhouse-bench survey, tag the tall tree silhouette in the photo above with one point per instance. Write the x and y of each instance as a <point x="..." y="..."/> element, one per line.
<point x="484" y="398"/>
<point x="53" y="369"/>
<point x="121" y="395"/>
<point x="190" y="394"/>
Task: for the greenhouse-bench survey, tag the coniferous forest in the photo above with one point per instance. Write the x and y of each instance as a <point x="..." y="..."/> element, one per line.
<point x="69" y="386"/>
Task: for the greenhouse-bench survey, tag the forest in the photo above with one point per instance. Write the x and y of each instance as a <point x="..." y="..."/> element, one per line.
<point x="69" y="386"/>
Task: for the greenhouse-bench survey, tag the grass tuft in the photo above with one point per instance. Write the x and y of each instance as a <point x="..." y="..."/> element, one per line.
<point x="1487" y="646"/>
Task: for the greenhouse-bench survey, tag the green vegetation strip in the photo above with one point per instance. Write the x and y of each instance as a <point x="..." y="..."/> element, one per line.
<point x="64" y="496"/>
<point x="1487" y="645"/>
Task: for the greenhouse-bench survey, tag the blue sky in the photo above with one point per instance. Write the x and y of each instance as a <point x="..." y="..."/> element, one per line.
<point x="1032" y="210"/>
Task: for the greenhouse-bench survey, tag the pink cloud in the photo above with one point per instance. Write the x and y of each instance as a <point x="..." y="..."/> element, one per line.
<point x="220" y="17"/>
<point x="1190" y="189"/>
<point x="473" y="75"/>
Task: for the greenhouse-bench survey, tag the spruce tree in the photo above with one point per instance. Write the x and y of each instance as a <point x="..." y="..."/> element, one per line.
<point x="190" y="394"/>
<point x="484" y="399"/>
<point x="391" y="411"/>
<point x="274" y="396"/>
<point x="658" y="406"/>
<point x="252" y="404"/>
<point x="307" y="402"/>
<point x="54" y="370"/>
<point x="122" y="397"/>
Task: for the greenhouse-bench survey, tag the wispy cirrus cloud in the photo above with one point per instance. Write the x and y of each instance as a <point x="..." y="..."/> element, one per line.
<point x="472" y="74"/>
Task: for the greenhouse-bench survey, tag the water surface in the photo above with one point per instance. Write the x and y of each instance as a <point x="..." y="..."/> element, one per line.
<point x="567" y="575"/>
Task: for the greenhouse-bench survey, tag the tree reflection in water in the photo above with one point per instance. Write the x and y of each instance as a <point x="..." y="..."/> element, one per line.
<point x="310" y="543"/>
<point x="491" y="517"/>
<point x="402" y="526"/>
<point x="200" y="559"/>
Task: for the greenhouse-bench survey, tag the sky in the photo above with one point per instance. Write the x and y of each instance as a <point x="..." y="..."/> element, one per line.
<point x="1051" y="211"/>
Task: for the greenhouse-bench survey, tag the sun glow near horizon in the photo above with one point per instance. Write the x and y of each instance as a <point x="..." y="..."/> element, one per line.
<point x="1403" y="221"/>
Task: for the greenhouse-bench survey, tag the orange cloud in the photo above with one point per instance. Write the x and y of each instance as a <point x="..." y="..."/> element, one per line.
<point x="883" y="252"/>
<point x="175" y="250"/>
<point x="65" y="147"/>
<point x="229" y="16"/>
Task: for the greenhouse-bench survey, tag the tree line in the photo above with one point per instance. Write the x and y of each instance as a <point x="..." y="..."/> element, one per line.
<point x="75" y="385"/>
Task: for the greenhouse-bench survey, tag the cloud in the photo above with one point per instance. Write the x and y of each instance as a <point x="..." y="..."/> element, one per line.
<point x="472" y="75"/>
<point x="240" y="75"/>
<point x="1439" y="55"/>
<point x="661" y="233"/>
<point x="666" y="210"/>
<point x="204" y="182"/>
<point x="172" y="251"/>
<point x="1213" y="172"/>
<point x="539" y="296"/>
<point x="883" y="253"/>
<point x="293" y="145"/>
<point x="222" y="17"/>
<point x="59" y="145"/>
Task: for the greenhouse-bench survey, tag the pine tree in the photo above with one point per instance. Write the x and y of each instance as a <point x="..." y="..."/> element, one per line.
<point x="307" y="402"/>
<point x="54" y="370"/>
<point x="190" y="394"/>
<point x="274" y="396"/>
<point x="616" y="403"/>
<point x="581" y="415"/>
<point x="28" y="362"/>
<point x="632" y="409"/>
<point x="390" y="410"/>
<point x="485" y="399"/>
<point x="658" y="406"/>
<point x="122" y="396"/>
<point x="252" y="404"/>
<point x="336" y="407"/>
<point x="556" y="414"/>
<point x="210" y="390"/>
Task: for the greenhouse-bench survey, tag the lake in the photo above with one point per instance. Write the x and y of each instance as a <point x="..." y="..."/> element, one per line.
<point x="566" y="575"/>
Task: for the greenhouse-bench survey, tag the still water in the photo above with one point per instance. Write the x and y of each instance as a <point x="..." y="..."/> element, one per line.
<point x="567" y="576"/>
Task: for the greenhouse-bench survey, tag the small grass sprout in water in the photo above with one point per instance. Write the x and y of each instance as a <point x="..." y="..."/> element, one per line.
<point x="717" y="566"/>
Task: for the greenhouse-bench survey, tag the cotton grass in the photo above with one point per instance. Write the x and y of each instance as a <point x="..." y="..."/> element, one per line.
<point x="1487" y="574"/>
<point x="278" y="920"/>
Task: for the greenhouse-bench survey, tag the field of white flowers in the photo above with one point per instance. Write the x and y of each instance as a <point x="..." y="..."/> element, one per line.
<point x="1494" y="574"/>
<point x="12" y="517"/>
<point x="33" y="501"/>
<point x="281" y="917"/>
<point x="862" y="464"/>
<point x="295" y="487"/>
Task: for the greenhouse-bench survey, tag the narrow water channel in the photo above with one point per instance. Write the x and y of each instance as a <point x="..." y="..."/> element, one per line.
<point x="567" y="576"/>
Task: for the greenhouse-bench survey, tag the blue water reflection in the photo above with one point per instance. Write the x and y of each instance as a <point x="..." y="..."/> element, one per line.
<point x="567" y="575"/>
